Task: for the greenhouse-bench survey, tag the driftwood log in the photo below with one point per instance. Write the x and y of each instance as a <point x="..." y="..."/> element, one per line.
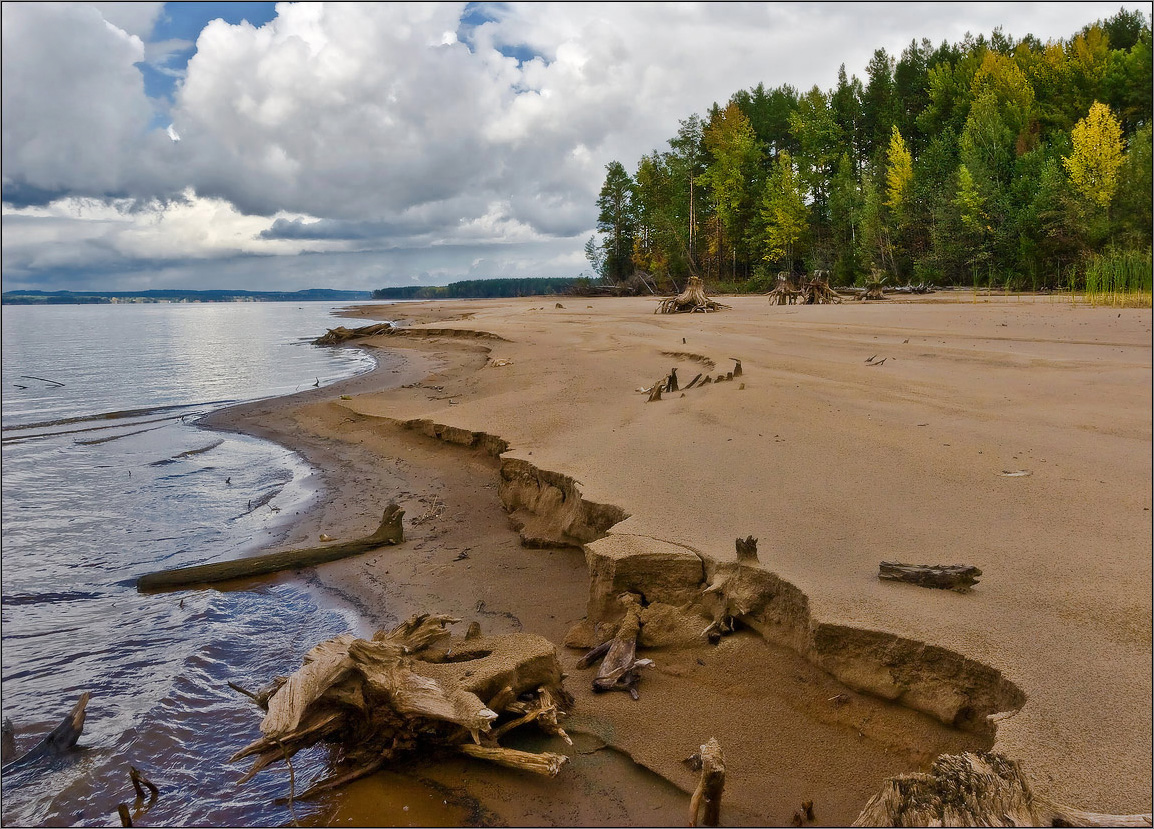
<point x="409" y="689"/>
<point x="984" y="789"/>
<point x="389" y="532"/>
<point x="340" y="334"/>
<point x="705" y="804"/>
<point x="735" y="590"/>
<point x="60" y="740"/>
<point x="691" y="300"/>
<point x="619" y="662"/>
<point x="959" y="577"/>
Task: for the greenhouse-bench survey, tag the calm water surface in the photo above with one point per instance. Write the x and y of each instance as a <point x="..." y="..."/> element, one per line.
<point x="107" y="477"/>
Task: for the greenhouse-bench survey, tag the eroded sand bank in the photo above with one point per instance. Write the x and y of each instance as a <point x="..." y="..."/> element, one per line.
<point x="834" y="464"/>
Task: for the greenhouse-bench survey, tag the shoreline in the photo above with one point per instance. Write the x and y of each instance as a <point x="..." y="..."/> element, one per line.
<point x="456" y="367"/>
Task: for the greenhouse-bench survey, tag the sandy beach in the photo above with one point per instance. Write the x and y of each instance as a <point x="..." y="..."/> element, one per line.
<point x="514" y="435"/>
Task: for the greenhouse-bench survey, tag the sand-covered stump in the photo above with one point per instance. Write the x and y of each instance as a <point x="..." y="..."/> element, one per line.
<point x="784" y="292"/>
<point x="691" y="300"/>
<point x="816" y="290"/>
<point x="413" y="688"/>
<point x="986" y="789"/>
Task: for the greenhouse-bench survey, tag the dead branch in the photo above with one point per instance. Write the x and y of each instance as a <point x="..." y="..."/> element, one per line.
<point x="389" y="532"/>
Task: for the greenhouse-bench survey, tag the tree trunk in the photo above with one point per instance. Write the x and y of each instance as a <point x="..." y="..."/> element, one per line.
<point x="389" y="532"/>
<point x="705" y="804"/>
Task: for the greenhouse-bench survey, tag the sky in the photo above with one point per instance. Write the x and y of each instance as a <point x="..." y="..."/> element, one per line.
<point x="364" y="145"/>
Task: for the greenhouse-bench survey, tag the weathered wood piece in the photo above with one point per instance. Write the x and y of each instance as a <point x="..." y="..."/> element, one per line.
<point x="959" y="577"/>
<point x="545" y="763"/>
<point x="747" y="550"/>
<point x="409" y="688"/>
<point x="984" y="789"/>
<point x="693" y="382"/>
<point x="618" y="670"/>
<point x="655" y="392"/>
<point x="671" y="383"/>
<point x="61" y="739"/>
<point x="389" y="532"/>
<point x="340" y="334"/>
<point x="705" y="804"/>
<point x="691" y="300"/>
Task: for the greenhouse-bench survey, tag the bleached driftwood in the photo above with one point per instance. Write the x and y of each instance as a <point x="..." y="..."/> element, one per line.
<point x="984" y="789"/>
<point x="784" y="292"/>
<point x="389" y="532"/>
<point x="410" y="687"/>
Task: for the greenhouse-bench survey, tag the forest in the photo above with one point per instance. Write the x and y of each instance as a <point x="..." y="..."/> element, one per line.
<point x="993" y="161"/>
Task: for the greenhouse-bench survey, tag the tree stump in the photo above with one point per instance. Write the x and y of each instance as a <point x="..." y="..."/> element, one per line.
<point x="705" y="804"/>
<point x="692" y="299"/>
<point x="986" y="789"/>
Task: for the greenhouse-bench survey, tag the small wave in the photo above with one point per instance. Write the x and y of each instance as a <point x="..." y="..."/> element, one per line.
<point x="117" y="415"/>
<point x="48" y="598"/>
<point x="187" y="454"/>
<point x="97" y="441"/>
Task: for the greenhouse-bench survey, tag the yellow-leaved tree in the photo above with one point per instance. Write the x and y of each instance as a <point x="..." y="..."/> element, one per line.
<point x="899" y="171"/>
<point x="1093" y="165"/>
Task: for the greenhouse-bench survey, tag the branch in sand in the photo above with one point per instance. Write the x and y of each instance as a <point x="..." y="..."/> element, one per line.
<point x="692" y="299"/>
<point x="389" y="532"/>
<point x="986" y="789"/>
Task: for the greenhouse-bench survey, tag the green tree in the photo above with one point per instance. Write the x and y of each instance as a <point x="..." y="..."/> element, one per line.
<point x="879" y="105"/>
<point x="616" y="221"/>
<point x="732" y="174"/>
<point x="1132" y="201"/>
<point x="783" y="212"/>
<point x="1093" y="165"/>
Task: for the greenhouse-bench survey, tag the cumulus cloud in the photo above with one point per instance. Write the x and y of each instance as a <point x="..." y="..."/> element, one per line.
<point x="435" y="137"/>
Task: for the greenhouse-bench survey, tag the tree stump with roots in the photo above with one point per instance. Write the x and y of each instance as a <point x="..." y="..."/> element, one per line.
<point x="691" y="300"/>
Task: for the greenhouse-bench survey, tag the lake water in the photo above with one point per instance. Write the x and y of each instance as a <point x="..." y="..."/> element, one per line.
<point x="106" y="477"/>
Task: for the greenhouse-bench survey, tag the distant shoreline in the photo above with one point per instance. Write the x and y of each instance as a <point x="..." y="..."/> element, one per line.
<point x="178" y="296"/>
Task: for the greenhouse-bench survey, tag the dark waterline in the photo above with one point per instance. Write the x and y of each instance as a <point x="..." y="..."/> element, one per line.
<point x="105" y="477"/>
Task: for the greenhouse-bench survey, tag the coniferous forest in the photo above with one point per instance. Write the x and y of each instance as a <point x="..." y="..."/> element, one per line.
<point x="998" y="161"/>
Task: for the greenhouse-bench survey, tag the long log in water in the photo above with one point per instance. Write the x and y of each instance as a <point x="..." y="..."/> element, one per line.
<point x="390" y="532"/>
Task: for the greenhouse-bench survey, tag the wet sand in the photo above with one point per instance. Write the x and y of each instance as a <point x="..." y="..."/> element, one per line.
<point x="833" y="463"/>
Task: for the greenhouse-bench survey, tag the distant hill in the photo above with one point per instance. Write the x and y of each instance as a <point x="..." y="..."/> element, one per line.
<point x="107" y="297"/>
<point x="482" y="289"/>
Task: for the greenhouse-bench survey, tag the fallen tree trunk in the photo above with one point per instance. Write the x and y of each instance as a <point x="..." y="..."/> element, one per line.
<point x="411" y="688"/>
<point x="986" y="789"/>
<point x="389" y="532"/>
<point x="959" y="577"/>
<point x="59" y="740"/>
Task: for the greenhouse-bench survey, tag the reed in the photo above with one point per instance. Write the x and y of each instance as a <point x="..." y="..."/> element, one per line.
<point x="1119" y="278"/>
